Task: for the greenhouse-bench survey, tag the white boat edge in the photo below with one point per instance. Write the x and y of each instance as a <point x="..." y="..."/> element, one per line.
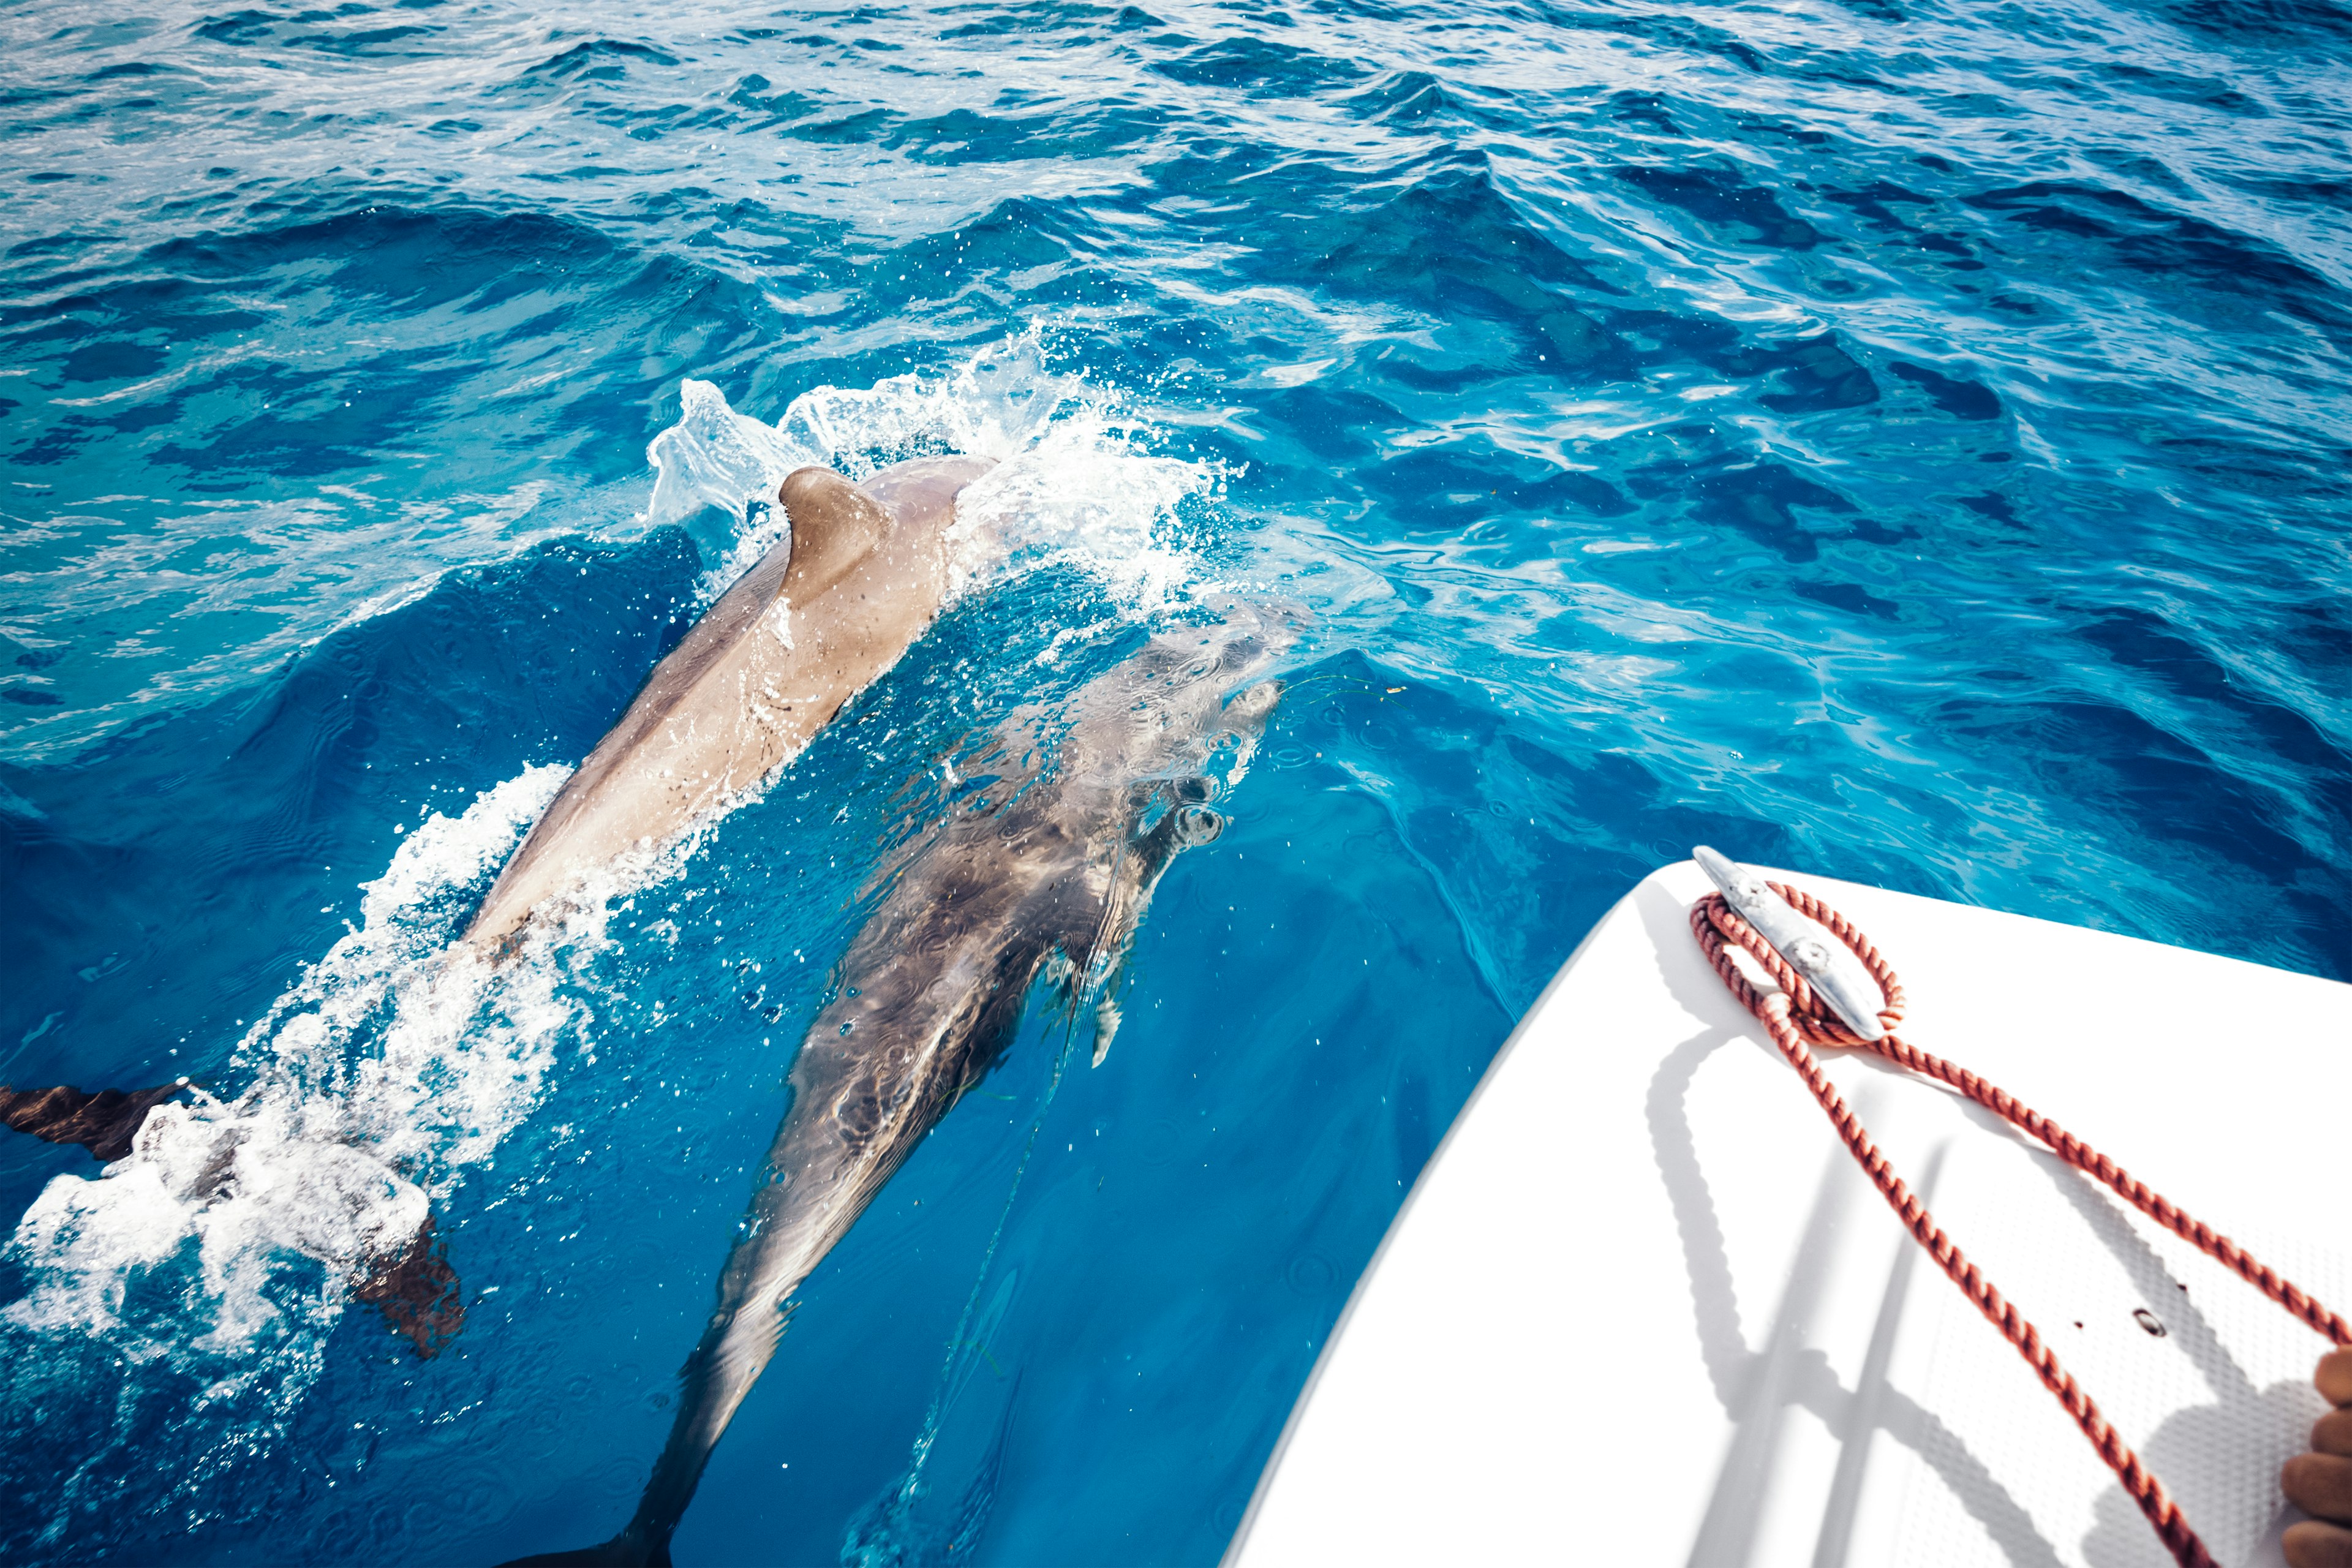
<point x="2063" y="967"/>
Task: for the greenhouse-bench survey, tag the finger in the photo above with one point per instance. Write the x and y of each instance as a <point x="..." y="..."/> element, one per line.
<point x="2333" y="1434"/>
<point x="2319" y="1484"/>
<point x="2335" y="1376"/>
<point x="2311" y="1544"/>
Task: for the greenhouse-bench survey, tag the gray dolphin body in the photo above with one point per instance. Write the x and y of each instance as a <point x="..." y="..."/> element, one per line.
<point x="864" y="571"/>
<point x="823" y="614"/>
<point x="1050" y="873"/>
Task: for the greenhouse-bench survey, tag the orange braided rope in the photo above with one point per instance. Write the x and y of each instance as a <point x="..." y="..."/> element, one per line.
<point x="1798" y="1020"/>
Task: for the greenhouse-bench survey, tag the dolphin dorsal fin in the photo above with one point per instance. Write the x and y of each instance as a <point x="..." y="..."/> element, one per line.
<point x="834" y="526"/>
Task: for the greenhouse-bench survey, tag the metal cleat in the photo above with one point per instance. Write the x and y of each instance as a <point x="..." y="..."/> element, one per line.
<point x="1835" y="974"/>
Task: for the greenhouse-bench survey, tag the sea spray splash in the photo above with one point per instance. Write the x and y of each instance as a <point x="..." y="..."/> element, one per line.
<point x="393" y="1063"/>
<point x="177" y="1304"/>
<point x="1075" y="483"/>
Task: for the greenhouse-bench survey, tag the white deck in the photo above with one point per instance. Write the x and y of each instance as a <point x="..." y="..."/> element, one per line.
<point x="1643" y="1308"/>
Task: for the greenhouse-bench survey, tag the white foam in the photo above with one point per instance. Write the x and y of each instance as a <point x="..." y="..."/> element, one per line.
<point x="1076" y="483"/>
<point x="395" y="1062"/>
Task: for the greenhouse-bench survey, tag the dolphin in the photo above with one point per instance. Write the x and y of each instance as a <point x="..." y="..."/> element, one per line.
<point x="864" y="571"/>
<point x="1048" y="872"/>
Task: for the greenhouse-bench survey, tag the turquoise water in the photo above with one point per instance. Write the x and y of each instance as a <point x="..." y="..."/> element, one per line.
<point x="1906" y="441"/>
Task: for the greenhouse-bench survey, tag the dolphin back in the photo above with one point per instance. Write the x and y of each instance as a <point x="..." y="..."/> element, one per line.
<point x="862" y="574"/>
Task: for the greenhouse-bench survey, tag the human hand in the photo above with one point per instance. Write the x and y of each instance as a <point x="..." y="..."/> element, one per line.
<point x="2320" y="1482"/>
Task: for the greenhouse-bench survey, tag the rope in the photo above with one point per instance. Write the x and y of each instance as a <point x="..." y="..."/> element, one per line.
<point x="1798" y="1021"/>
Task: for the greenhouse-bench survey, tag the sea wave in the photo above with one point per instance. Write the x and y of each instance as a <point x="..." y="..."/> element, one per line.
<point x="1899" y="440"/>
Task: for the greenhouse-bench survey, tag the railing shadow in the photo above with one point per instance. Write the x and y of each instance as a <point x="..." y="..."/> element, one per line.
<point x="1756" y="1388"/>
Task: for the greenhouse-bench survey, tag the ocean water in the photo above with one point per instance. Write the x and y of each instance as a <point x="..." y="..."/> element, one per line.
<point x="1895" y="438"/>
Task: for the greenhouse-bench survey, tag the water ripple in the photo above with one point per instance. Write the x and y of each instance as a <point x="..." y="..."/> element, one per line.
<point x="1885" y="436"/>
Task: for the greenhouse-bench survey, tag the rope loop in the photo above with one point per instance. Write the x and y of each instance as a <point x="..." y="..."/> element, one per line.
<point x="1800" y="1022"/>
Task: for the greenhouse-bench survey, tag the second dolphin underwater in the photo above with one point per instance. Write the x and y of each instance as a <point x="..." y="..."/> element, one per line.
<point x="1051" y="878"/>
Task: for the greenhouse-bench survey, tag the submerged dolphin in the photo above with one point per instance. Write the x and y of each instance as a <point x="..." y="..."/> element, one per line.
<point x="1049" y="872"/>
<point x="866" y="570"/>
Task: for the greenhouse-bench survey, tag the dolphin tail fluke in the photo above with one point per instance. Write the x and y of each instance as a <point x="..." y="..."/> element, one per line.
<point x="104" y="1122"/>
<point x="418" y="1293"/>
<point x="624" y="1551"/>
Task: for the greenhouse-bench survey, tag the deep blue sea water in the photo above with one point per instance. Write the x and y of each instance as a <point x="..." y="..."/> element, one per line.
<point x="1897" y="438"/>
